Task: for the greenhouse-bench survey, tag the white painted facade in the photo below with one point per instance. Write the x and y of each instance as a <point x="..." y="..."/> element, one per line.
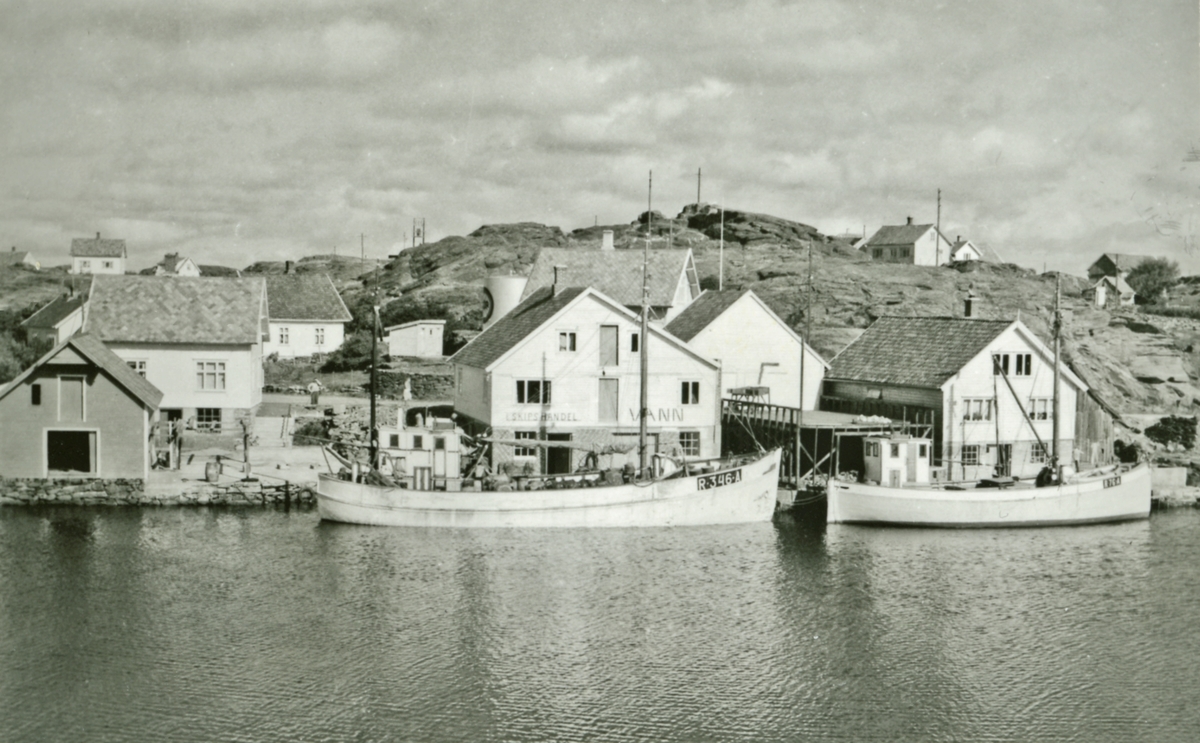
<point x="978" y="410"/>
<point x="930" y="249"/>
<point x="176" y="368"/>
<point x="965" y="251"/>
<point x="97" y="265"/>
<point x="420" y="338"/>
<point x="491" y="396"/>
<point x="757" y="348"/>
<point x="184" y="267"/>
<point x="302" y="338"/>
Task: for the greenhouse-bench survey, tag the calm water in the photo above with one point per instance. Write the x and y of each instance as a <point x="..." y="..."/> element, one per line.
<point x="195" y="625"/>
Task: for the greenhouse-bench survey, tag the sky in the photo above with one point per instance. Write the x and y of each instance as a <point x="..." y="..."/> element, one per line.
<point x="234" y="131"/>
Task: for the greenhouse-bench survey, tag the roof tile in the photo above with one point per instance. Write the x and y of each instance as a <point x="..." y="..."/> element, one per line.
<point x="305" y="297"/>
<point x="174" y="309"/>
<point x="614" y="273"/>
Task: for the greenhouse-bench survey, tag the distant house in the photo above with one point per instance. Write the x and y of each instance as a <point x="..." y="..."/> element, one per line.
<point x="952" y="368"/>
<point x="718" y="325"/>
<point x="672" y="280"/>
<point x="80" y="411"/>
<point x="16" y="257"/>
<point x="173" y="265"/>
<point x="420" y="338"/>
<point x="58" y="320"/>
<point x="200" y="341"/>
<point x="1110" y="292"/>
<point x="1115" y="264"/>
<point x="306" y="315"/>
<point x="918" y="244"/>
<point x="564" y="367"/>
<point x="98" y="256"/>
<point x="965" y="250"/>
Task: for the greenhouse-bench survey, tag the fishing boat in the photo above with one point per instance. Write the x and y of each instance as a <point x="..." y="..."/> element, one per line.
<point x="430" y="472"/>
<point x="897" y="489"/>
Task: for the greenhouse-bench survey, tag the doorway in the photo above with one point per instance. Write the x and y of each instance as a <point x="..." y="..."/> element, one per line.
<point x="558" y="458"/>
<point x="71" y="452"/>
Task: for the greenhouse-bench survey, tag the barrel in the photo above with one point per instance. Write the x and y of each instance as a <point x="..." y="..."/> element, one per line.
<point x="211" y="471"/>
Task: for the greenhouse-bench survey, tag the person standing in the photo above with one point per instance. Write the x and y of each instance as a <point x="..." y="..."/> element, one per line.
<point x="314" y="391"/>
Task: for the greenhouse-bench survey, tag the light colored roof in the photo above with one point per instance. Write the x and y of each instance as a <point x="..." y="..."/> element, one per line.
<point x="95" y="247"/>
<point x="414" y="323"/>
<point x="55" y="312"/>
<point x="615" y="273"/>
<point x="90" y="348"/>
<point x="1117" y="282"/>
<point x="310" y="296"/>
<point x="176" y="309"/>
<point x="986" y="253"/>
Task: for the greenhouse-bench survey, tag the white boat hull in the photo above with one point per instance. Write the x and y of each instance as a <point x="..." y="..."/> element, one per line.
<point x="741" y="494"/>
<point x="1121" y="495"/>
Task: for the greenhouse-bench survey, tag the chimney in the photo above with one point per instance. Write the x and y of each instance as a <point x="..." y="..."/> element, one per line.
<point x="910" y="220"/>
<point x="969" y="304"/>
<point x="289" y="267"/>
<point x="560" y="274"/>
<point x="605" y="244"/>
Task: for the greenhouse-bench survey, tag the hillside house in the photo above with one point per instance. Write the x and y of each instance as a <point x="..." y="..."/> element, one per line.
<point x="174" y="265"/>
<point x="58" y="320"/>
<point x="564" y="366"/>
<point x="754" y="346"/>
<point x="673" y="282"/>
<point x="918" y="244"/>
<point x="1115" y="264"/>
<point x="419" y="338"/>
<point x="98" y="256"/>
<point x="78" y="412"/>
<point x="956" y="368"/>
<point x="200" y="341"/>
<point x="1110" y="292"/>
<point x="14" y="258"/>
<point x="307" y="315"/>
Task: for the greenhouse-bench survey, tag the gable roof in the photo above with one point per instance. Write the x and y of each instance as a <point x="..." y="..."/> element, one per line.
<point x="413" y="324"/>
<point x="13" y="257"/>
<point x="899" y="234"/>
<point x="87" y="247"/>
<point x="499" y="340"/>
<point x="90" y="348"/>
<point x="1120" y="261"/>
<point x="615" y="273"/>
<point x="700" y="314"/>
<point x="1116" y="282"/>
<point x="309" y="296"/>
<point x="176" y="309"/>
<point x="914" y="351"/>
<point x="54" y="313"/>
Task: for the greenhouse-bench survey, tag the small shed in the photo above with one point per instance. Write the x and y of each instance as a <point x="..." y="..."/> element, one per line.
<point x="420" y="338"/>
<point x="80" y="411"/>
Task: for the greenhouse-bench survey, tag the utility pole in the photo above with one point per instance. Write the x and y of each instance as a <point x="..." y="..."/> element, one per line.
<point x="697" y="186"/>
<point x="644" y="341"/>
<point x="721" y="255"/>
<point x="937" y="239"/>
<point x="362" y="247"/>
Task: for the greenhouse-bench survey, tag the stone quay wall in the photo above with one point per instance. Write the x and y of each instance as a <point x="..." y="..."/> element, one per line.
<point x="97" y="492"/>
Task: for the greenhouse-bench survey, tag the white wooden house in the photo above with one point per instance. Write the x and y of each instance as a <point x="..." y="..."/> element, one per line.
<point x="307" y="315"/>
<point x="754" y="346"/>
<point x="98" y="256"/>
<point x="673" y="283"/>
<point x="419" y="338"/>
<point x="918" y="244"/>
<point x="16" y="257"/>
<point x="200" y="341"/>
<point x="564" y="366"/>
<point x="58" y="320"/>
<point x="952" y="367"/>
<point x="1110" y="292"/>
<point x="174" y="265"/>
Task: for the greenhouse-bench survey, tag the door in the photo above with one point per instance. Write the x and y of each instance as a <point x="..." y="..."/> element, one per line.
<point x="1004" y="460"/>
<point x="894" y="478"/>
<point x="71" y="451"/>
<point x="439" y="456"/>
<point x="608" y="345"/>
<point x="558" y="458"/>
<point x="608" y="400"/>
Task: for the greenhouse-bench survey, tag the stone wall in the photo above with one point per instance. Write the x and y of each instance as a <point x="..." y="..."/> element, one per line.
<point x="94" y="492"/>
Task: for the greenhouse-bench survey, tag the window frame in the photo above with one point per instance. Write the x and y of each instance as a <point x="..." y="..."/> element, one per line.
<point x="970" y="455"/>
<point x="525" y="390"/>
<point x="525" y="451"/>
<point x="689" y="392"/>
<point x="219" y="373"/>
<point x="977" y="408"/>
<point x="284" y="335"/>
<point x="1027" y="371"/>
<point x="208" y="419"/>
<point x="138" y="365"/>
<point x="567" y="341"/>
<point x="319" y="334"/>
<point x="689" y="443"/>
<point x="35" y="394"/>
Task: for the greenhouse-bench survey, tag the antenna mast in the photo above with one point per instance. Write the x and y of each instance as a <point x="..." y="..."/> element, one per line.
<point x="937" y="239"/>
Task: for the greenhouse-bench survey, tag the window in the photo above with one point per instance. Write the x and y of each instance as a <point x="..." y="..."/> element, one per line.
<point x="895" y="453"/>
<point x="970" y="454"/>
<point x="633" y="342"/>
<point x="1038" y="455"/>
<point x="208" y="419"/>
<point x="418" y="442"/>
<point x="283" y="336"/>
<point x="978" y="409"/>
<point x="689" y="442"/>
<point x="877" y="253"/>
<point x="35" y="394"/>
<point x="608" y="345"/>
<point x="1000" y="364"/>
<point x="923" y="451"/>
<point x="439" y="443"/>
<point x="1024" y="364"/>
<point x="108" y="264"/>
<point x="533" y="391"/>
<point x="872" y="448"/>
<point x="320" y="336"/>
<point x="138" y="366"/>
<point x="210" y="375"/>
<point x="394" y="440"/>
<point x="525" y="451"/>
<point x="566" y="341"/>
<point x="1040" y="408"/>
<point x="689" y="393"/>
<point x="85" y="264"/>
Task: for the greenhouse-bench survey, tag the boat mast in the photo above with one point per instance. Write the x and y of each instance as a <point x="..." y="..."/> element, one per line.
<point x="1057" y="327"/>
<point x="643" y="371"/>
<point x="374" y="435"/>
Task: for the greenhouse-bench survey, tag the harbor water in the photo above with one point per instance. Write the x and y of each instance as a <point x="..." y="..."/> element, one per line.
<point x="180" y="624"/>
